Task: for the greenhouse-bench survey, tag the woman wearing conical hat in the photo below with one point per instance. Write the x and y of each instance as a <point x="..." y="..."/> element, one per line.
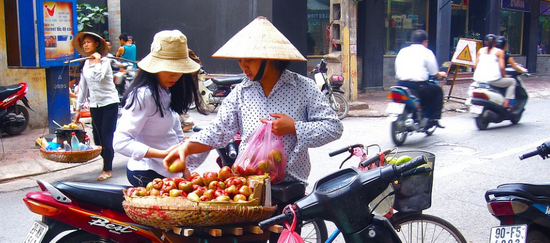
<point x="300" y="113"/>
<point x="96" y="85"/>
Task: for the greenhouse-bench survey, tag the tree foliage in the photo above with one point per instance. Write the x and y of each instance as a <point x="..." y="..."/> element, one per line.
<point x="92" y="18"/>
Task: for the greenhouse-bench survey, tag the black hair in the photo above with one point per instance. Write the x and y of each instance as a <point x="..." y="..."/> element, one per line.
<point x="419" y="36"/>
<point x="490" y="41"/>
<point x="501" y="42"/>
<point x="182" y="94"/>
<point x="281" y="65"/>
<point x="123" y="37"/>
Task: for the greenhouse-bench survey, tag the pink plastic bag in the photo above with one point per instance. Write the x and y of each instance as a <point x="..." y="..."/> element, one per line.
<point x="265" y="154"/>
<point x="289" y="235"/>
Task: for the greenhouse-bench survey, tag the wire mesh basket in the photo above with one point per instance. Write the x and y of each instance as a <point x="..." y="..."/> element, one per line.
<point x="414" y="190"/>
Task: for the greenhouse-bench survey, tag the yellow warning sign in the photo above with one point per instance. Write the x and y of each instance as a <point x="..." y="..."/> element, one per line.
<point x="466" y="52"/>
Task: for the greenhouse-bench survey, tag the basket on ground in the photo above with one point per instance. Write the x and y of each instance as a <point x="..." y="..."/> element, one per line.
<point x="71" y="156"/>
<point x="168" y="212"/>
<point x="414" y="192"/>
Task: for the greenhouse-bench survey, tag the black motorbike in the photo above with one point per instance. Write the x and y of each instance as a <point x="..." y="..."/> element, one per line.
<point x="522" y="209"/>
<point x="486" y="101"/>
<point x="14" y="117"/>
<point x="331" y="88"/>
<point x="215" y="89"/>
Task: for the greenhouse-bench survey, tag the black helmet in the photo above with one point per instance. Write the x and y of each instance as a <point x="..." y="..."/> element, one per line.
<point x="501" y="42"/>
<point x="490" y="40"/>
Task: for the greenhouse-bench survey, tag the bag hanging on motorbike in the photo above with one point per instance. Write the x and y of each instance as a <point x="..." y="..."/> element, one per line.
<point x="289" y="234"/>
<point x="264" y="154"/>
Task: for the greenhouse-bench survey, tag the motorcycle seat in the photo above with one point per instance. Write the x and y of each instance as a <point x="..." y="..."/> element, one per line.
<point x="537" y="190"/>
<point x="6" y="91"/>
<point x="226" y="81"/>
<point x="103" y="195"/>
<point x="288" y="190"/>
<point x="501" y="90"/>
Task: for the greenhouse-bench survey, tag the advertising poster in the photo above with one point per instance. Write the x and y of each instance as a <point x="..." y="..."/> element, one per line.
<point x="58" y="28"/>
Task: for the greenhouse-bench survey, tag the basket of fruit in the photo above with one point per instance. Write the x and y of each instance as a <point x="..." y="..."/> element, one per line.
<point x="70" y="156"/>
<point x="414" y="191"/>
<point x="211" y="199"/>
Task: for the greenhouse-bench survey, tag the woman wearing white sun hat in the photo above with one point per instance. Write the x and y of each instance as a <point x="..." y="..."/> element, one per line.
<point x="301" y="114"/>
<point x="96" y="85"/>
<point x="149" y="126"/>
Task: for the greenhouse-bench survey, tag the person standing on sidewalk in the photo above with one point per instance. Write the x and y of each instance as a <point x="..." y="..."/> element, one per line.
<point x="96" y="85"/>
<point x="413" y="65"/>
<point x="149" y="126"/>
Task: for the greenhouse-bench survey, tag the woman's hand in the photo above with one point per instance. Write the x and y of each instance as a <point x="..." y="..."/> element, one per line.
<point x="96" y="58"/>
<point x="282" y="125"/>
<point x="176" y="153"/>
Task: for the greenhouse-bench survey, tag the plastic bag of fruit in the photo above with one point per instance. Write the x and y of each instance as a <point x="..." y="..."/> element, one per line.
<point x="264" y="154"/>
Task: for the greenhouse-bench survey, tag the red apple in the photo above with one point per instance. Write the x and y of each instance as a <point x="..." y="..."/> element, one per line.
<point x="141" y="191"/>
<point x="219" y="192"/>
<point x="177" y="180"/>
<point x="245" y="190"/>
<point x="225" y="172"/>
<point x="186" y="186"/>
<point x="275" y="155"/>
<point x="239" y="198"/>
<point x="209" y="177"/>
<point x="157" y="183"/>
<point x="177" y="166"/>
<point x="223" y="198"/>
<point x="193" y="175"/>
<point x="199" y="191"/>
<point x="176" y="193"/>
<point x="198" y="181"/>
<point x="154" y="192"/>
<point x="168" y="185"/>
<point x="232" y="190"/>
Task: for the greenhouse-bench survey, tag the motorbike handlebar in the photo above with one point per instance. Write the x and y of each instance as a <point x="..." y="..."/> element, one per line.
<point x="420" y="160"/>
<point x="543" y="150"/>
<point x="232" y="150"/>
<point x="286" y="216"/>
<point x="348" y="148"/>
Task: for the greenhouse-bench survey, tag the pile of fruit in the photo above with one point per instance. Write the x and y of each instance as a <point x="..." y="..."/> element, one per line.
<point x="70" y="126"/>
<point x="223" y="186"/>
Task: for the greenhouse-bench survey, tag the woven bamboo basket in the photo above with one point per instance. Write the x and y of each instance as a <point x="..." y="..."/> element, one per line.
<point x="168" y="212"/>
<point x="71" y="156"/>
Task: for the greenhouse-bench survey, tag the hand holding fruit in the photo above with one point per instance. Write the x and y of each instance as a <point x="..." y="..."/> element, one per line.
<point x="282" y="125"/>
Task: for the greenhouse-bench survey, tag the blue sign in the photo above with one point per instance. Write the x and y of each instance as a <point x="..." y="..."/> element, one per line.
<point x="518" y="5"/>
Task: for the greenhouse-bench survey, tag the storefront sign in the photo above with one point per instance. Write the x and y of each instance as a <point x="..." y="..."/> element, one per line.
<point x="466" y="52"/>
<point x="518" y="5"/>
<point x="56" y="28"/>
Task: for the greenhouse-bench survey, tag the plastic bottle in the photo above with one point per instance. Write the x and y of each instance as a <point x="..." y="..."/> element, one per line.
<point x="66" y="146"/>
<point x="74" y="142"/>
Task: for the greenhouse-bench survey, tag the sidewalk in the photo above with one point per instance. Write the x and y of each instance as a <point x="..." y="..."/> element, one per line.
<point x="20" y="156"/>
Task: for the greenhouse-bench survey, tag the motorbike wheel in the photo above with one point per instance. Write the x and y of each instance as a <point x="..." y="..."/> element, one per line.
<point x="339" y="104"/>
<point x="21" y="110"/>
<point x="426" y="228"/>
<point x="399" y="130"/>
<point x="536" y="236"/>
<point x="481" y="123"/>
<point x="81" y="236"/>
<point x="515" y="119"/>
<point x="314" y="231"/>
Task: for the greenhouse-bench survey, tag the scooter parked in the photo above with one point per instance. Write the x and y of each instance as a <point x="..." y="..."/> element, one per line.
<point x="522" y="209"/>
<point x="331" y="88"/>
<point x="486" y="101"/>
<point x="406" y="115"/>
<point x="214" y="89"/>
<point x="14" y="117"/>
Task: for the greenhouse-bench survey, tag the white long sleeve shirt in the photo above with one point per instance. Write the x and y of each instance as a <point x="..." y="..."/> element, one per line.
<point x="415" y="63"/>
<point x="96" y="83"/>
<point x="141" y="127"/>
<point x="294" y="95"/>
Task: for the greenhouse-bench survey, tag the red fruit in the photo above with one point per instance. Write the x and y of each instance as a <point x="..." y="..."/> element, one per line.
<point x="225" y="172"/>
<point x="154" y="192"/>
<point x="232" y="190"/>
<point x="193" y="175"/>
<point x="209" y="193"/>
<point x="131" y="191"/>
<point x="239" y="198"/>
<point x="275" y="155"/>
<point x="141" y="191"/>
<point x="198" y="181"/>
<point x="177" y="180"/>
<point x="176" y="193"/>
<point x="245" y="190"/>
<point x="177" y="166"/>
<point x="209" y="177"/>
<point x="199" y="191"/>
<point x="219" y="192"/>
<point x="186" y="186"/>
<point x="157" y="183"/>
<point x="223" y="198"/>
<point x="237" y="169"/>
<point x="169" y="185"/>
<point x="265" y="166"/>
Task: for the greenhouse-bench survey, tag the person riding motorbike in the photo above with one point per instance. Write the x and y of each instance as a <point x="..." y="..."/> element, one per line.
<point x="413" y="64"/>
<point x="489" y="68"/>
<point x="502" y="43"/>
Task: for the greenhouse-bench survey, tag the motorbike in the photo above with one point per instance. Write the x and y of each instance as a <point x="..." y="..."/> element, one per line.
<point x="14" y="117"/>
<point x="486" y="101"/>
<point x="343" y="198"/>
<point x="123" y="76"/>
<point x="84" y="212"/>
<point x="522" y="209"/>
<point x="214" y="89"/>
<point x="331" y="88"/>
<point x="406" y="114"/>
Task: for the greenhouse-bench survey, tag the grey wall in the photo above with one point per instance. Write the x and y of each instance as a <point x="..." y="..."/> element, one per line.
<point x="208" y="24"/>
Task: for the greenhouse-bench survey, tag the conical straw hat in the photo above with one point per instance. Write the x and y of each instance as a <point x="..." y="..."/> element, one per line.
<point x="259" y="40"/>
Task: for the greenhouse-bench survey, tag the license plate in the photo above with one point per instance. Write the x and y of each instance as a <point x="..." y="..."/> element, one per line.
<point x="476" y="109"/>
<point x="512" y="233"/>
<point x="37" y="232"/>
<point x="395" y="108"/>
